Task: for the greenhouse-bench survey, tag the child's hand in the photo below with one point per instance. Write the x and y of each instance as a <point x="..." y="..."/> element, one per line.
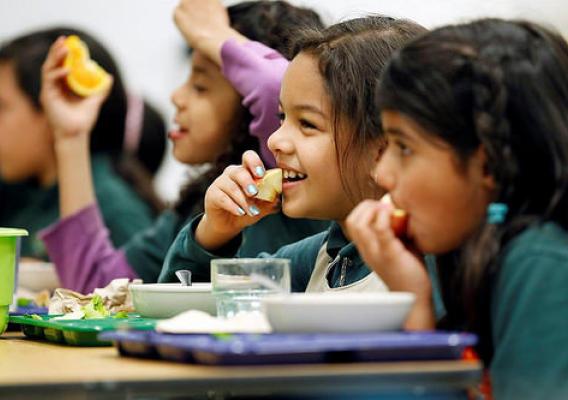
<point x="369" y="227"/>
<point x="200" y="19"/>
<point x="69" y="115"/>
<point x="205" y="26"/>
<point x="230" y="204"/>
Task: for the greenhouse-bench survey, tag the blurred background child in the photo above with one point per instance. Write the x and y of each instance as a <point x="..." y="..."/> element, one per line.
<point x="482" y="170"/>
<point x="28" y="165"/>
<point x="328" y="125"/>
<point x="228" y="105"/>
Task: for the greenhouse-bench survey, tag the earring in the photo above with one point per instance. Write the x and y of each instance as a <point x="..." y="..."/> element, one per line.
<point x="496" y="213"/>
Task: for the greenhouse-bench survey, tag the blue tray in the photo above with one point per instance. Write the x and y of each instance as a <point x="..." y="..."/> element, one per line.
<point x="23" y="310"/>
<point x="292" y="348"/>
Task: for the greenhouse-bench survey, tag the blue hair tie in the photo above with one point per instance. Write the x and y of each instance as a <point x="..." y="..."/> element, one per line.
<point x="496" y="213"/>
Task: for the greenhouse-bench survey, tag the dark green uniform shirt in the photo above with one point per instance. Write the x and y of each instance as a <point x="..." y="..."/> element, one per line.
<point x="29" y="206"/>
<point x="529" y="317"/>
<point x="260" y="240"/>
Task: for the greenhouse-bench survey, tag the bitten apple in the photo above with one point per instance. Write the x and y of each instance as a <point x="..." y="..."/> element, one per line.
<point x="270" y="186"/>
<point x="398" y="220"/>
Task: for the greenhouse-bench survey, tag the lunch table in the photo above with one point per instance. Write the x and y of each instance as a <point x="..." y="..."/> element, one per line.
<point x="34" y="369"/>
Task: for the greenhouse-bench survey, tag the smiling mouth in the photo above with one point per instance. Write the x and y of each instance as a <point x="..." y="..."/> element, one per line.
<point x="292" y="176"/>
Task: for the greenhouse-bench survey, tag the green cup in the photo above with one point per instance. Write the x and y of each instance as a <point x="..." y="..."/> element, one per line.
<point x="9" y="253"/>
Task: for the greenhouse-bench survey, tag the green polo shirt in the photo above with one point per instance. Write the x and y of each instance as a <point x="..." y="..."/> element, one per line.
<point x="529" y="317"/>
<point x="262" y="241"/>
<point x="27" y="205"/>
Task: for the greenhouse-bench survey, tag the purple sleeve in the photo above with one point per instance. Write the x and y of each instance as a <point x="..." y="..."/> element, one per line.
<point x="256" y="72"/>
<point x="82" y="252"/>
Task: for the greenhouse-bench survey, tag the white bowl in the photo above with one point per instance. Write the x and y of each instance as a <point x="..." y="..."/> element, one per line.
<point x="36" y="276"/>
<point x="164" y="300"/>
<point x="338" y="312"/>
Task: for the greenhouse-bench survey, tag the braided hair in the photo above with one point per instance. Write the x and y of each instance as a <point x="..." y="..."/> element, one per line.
<point x="501" y="86"/>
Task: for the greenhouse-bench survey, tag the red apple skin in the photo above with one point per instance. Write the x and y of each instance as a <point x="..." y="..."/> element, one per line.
<point x="399" y="223"/>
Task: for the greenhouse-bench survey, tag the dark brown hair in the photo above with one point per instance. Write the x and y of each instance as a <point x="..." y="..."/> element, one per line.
<point x="351" y="57"/>
<point x="502" y="85"/>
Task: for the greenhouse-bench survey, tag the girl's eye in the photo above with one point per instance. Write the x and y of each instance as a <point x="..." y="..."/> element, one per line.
<point x="281" y="117"/>
<point x="404" y="150"/>
<point x="307" y="124"/>
<point x="199" y="88"/>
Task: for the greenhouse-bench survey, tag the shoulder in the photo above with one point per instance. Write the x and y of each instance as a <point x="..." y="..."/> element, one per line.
<point x="307" y="247"/>
<point x="528" y="314"/>
<point x="545" y="244"/>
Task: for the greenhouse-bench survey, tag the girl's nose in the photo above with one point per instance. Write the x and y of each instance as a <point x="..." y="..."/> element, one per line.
<point x="382" y="173"/>
<point x="177" y="97"/>
<point x="279" y="141"/>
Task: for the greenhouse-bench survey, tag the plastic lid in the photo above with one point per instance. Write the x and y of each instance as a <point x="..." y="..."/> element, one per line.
<point x="7" y="232"/>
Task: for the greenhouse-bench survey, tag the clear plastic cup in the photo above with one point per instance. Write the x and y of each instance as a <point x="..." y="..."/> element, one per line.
<point x="234" y="289"/>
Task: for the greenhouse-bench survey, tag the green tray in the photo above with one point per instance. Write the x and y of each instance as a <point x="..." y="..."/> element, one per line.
<point x="78" y="332"/>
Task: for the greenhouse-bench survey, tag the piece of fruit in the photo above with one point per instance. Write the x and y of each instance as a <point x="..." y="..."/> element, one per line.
<point x="270" y="186"/>
<point x="85" y="76"/>
<point x="398" y="220"/>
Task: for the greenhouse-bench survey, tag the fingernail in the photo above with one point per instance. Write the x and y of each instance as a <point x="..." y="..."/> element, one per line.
<point x="252" y="189"/>
<point x="241" y="211"/>
<point x="254" y="210"/>
<point x="259" y="171"/>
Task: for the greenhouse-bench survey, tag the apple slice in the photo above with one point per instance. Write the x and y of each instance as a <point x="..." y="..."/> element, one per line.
<point x="398" y="220"/>
<point x="270" y="186"/>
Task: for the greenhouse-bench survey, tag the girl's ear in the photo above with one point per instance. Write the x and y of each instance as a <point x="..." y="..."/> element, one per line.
<point x="487" y="179"/>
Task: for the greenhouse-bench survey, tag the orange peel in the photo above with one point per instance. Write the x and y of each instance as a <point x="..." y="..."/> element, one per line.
<point x="85" y="77"/>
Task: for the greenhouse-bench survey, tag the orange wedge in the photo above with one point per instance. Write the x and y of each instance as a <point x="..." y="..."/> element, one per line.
<point x="85" y="76"/>
<point x="270" y="186"/>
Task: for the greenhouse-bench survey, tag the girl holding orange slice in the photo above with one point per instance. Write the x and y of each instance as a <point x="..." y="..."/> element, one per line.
<point x="228" y="105"/>
<point x="28" y="165"/>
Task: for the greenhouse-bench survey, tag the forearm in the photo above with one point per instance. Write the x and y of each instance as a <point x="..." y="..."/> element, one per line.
<point x="422" y="316"/>
<point x="83" y="255"/>
<point x="256" y="72"/>
<point x="211" y="45"/>
<point x="76" y="189"/>
<point x="212" y="239"/>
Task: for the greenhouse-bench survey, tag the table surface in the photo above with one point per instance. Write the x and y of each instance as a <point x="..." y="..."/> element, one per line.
<point x="28" y="368"/>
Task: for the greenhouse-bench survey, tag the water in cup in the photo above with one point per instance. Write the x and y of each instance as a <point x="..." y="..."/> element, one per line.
<point x="234" y="289"/>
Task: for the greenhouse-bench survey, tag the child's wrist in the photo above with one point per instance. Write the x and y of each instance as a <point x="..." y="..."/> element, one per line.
<point x="65" y="144"/>
<point x="208" y="236"/>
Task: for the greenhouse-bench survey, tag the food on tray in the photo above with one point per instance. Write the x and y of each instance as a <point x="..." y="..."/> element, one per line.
<point x="102" y="303"/>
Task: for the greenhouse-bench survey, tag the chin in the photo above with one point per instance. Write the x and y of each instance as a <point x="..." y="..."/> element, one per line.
<point x="293" y="212"/>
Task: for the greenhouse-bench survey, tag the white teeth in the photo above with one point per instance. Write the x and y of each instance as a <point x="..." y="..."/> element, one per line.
<point x="287" y="174"/>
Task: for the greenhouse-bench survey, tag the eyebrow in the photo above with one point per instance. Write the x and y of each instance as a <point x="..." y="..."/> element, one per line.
<point x="196" y="69"/>
<point x="306" y="107"/>
<point x="396" y="132"/>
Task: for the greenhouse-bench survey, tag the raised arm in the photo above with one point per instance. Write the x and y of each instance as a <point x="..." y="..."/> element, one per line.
<point x="253" y="69"/>
<point x="71" y="118"/>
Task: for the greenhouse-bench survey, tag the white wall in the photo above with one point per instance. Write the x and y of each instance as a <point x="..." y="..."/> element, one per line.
<point x="143" y="39"/>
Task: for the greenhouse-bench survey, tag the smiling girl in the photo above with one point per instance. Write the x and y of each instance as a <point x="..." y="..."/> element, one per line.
<point x="481" y="168"/>
<point x="327" y="124"/>
<point x="233" y="86"/>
